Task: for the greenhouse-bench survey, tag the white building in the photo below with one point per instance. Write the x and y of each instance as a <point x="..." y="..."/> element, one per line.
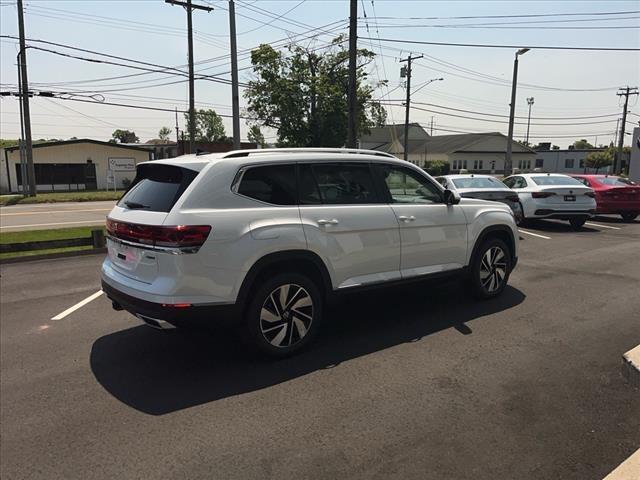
<point x="566" y="161"/>
<point x="81" y="164"/>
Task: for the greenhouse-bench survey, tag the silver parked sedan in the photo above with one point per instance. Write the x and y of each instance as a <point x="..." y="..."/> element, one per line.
<point x="484" y="187"/>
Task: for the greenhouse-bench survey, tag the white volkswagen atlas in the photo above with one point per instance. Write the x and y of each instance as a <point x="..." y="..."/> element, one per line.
<point x="267" y="237"/>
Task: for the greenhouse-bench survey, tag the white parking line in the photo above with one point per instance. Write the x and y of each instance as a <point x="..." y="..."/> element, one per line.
<point x="78" y="305"/>
<point x="534" y="234"/>
<point x="602" y="226"/>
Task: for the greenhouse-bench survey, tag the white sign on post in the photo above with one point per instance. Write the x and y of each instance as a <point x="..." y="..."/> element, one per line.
<point x="122" y="164"/>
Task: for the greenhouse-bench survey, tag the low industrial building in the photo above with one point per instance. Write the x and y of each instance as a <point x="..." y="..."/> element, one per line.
<point x="69" y="165"/>
<point x="475" y="152"/>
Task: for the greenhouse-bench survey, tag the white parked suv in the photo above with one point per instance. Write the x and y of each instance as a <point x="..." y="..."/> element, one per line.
<point x="553" y="195"/>
<point x="268" y="237"/>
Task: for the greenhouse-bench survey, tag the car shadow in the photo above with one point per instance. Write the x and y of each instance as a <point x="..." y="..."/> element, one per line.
<point x="158" y="372"/>
<point x="556" y="226"/>
<point x="614" y="219"/>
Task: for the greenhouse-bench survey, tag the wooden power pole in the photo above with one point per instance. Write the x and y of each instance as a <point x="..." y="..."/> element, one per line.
<point x="352" y="122"/>
<point x="189" y="7"/>
<point x="623" y="92"/>
<point x="24" y="99"/>
<point x="235" y="97"/>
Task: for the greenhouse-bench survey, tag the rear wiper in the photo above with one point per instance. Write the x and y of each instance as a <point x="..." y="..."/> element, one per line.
<point x="135" y="205"/>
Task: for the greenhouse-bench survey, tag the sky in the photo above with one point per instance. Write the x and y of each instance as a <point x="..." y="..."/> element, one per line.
<point x="574" y="91"/>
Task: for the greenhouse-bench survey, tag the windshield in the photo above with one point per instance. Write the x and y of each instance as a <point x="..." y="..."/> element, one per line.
<point x="615" y="181"/>
<point x="559" y="180"/>
<point x="477" y="182"/>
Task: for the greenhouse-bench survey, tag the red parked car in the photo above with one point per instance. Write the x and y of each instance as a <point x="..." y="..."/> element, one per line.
<point x="614" y="194"/>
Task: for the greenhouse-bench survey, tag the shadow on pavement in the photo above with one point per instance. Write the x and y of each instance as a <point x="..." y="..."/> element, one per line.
<point x="614" y="219"/>
<point x="158" y="372"/>
<point x="556" y="226"/>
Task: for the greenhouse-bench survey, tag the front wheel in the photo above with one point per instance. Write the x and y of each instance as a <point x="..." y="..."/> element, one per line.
<point x="490" y="269"/>
<point x="577" y="223"/>
<point x="284" y="314"/>
<point x="629" y="216"/>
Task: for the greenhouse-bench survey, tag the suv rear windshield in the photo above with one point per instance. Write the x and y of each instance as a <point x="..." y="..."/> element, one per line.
<point x="157" y="188"/>
<point x="549" y="180"/>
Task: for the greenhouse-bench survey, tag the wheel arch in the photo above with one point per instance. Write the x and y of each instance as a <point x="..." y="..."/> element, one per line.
<point x="502" y="232"/>
<point x="298" y="261"/>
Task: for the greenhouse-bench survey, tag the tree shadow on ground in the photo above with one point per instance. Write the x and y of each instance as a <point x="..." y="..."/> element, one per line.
<point x="158" y="372"/>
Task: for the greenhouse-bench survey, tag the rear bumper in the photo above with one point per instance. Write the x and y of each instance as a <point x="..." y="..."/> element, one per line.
<point x="165" y="316"/>
<point x="617" y="207"/>
<point x="563" y="214"/>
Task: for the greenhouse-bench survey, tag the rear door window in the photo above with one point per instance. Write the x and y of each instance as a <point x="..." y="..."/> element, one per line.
<point x="338" y="184"/>
<point x="157" y="188"/>
<point x="275" y="184"/>
<point x="408" y="186"/>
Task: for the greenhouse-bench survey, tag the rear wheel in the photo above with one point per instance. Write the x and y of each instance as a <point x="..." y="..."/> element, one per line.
<point x="629" y="216"/>
<point x="490" y="269"/>
<point x="577" y="223"/>
<point x="284" y="314"/>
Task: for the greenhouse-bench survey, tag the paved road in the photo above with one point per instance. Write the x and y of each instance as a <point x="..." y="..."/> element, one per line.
<point x="413" y="383"/>
<point x="53" y="215"/>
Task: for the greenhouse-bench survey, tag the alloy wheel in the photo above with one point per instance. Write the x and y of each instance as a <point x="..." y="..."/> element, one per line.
<point x="493" y="269"/>
<point x="286" y="315"/>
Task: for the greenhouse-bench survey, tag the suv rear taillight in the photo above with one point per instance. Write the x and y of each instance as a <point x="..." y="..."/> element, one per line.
<point x="542" y="194"/>
<point x="162" y="236"/>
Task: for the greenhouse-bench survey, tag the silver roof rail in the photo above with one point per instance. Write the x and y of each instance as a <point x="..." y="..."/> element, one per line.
<point x="263" y="151"/>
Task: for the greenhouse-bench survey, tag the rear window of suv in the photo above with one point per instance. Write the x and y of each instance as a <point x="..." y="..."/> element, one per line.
<point x="157" y="188"/>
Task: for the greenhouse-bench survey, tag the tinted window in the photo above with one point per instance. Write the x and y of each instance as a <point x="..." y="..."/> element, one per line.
<point x="157" y="187"/>
<point x="615" y="181"/>
<point x="559" y="180"/>
<point x="477" y="182"/>
<point x="274" y="184"/>
<point x="343" y="183"/>
<point x="309" y="192"/>
<point x="407" y="186"/>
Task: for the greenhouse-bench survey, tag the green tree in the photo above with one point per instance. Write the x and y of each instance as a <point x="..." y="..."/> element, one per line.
<point x="163" y="133"/>
<point x="256" y="136"/>
<point x="437" y="167"/>
<point x="599" y="160"/>
<point x="303" y="94"/>
<point x="209" y="126"/>
<point x="582" y="144"/>
<point x="124" y="136"/>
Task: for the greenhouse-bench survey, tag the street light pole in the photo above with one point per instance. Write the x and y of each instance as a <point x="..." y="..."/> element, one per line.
<point x="530" y="103"/>
<point x="508" y="164"/>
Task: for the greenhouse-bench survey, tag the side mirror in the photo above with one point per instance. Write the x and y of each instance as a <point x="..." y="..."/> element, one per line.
<point x="451" y="197"/>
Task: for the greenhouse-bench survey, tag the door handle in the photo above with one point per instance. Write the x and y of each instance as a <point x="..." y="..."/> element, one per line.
<point x="333" y="221"/>
<point x="405" y="218"/>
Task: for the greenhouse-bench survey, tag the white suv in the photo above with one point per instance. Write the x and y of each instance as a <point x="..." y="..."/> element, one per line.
<point x="267" y="237"/>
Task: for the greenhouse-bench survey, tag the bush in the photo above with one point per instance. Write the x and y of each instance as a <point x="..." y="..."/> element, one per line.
<point x="437" y="168"/>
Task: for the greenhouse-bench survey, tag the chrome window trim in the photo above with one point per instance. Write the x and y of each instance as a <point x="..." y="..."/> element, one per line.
<point x="155" y="248"/>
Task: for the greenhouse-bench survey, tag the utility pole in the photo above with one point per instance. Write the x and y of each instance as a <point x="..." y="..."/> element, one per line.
<point x="431" y="129"/>
<point x="352" y="121"/>
<point x="189" y="7"/>
<point x="407" y="73"/>
<point x="508" y="163"/>
<point x="623" y="92"/>
<point x="235" y="97"/>
<point x="177" y="130"/>
<point x="24" y="99"/>
<point x="530" y="103"/>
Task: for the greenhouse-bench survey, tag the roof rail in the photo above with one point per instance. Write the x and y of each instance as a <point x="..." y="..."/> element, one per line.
<point x="263" y="151"/>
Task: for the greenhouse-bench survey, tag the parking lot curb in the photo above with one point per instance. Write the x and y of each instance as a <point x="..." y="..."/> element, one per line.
<point x="51" y="256"/>
<point x="631" y="366"/>
<point x="627" y="470"/>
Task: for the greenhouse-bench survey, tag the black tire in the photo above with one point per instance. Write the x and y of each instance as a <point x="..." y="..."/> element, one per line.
<point x="274" y="326"/>
<point x="577" y="223"/>
<point x="629" y="216"/>
<point x="481" y="284"/>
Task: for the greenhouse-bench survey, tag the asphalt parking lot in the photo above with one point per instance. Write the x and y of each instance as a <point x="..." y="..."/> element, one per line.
<point x="418" y="382"/>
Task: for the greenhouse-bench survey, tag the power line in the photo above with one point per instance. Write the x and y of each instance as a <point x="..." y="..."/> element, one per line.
<point x="535" y="15"/>
<point x="484" y="45"/>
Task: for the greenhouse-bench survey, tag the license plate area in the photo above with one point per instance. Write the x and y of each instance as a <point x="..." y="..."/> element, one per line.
<point x="569" y="198"/>
<point x="124" y="256"/>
